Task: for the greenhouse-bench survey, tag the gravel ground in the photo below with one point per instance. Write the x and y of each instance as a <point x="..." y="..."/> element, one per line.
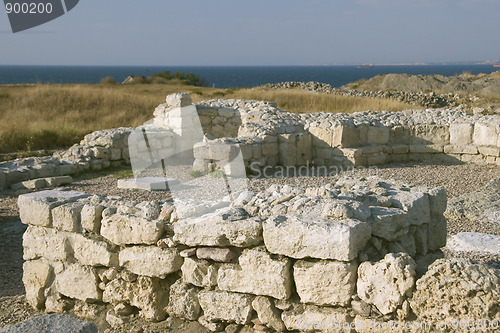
<point x="457" y="179"/>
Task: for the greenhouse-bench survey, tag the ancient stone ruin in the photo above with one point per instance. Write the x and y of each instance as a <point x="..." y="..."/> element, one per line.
<point x="338" y="257"/>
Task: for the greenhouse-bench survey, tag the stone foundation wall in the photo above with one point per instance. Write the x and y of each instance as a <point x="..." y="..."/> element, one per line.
<point x="277" y="259"/>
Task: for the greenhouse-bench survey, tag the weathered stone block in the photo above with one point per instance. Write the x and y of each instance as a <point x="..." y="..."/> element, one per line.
<point x="312" y="318"/>
<point x="221" y="305"/>
<point x="257" y="273"/>
<point x="36" y="277"/>
<point x="489" y="151"/>
<point x="300" y="237"/>
<point x="150" y="261"/>
<point x="437" y="232"/>
<point x="460" y="149"/>
<point x="124" y="230"/>
<point x="375" y="135"/>
<point x="461" y="134"/>
<point x="416" y="204"/>
<point x="426" y="149"/>
<point x="346" y="136"/>
<point x="79" y="282"/>
<point x="287" y="149"/>
<point x="225" y="227"/>
<point x="321" y="137"/>
<point x="89" y="252"/>
<point x="485" y="134"/>
<point x="199" y="272"/>
<point x="183" y="301"/>
<point x="304" y="148"/>
<point x="325" y="282"/>
<point x="268" y="314"/>
<point x="66" y="217"/>
<point x="389" y="223"/>
<point x="215" y="253"/>
<point x="35" y="208"/>
<point x="91" y="216"/>
<point x="388" y="282"/>
<point x="43" y="242"/>
<point x="400" y="135"/>
<point x="431" y="134"/>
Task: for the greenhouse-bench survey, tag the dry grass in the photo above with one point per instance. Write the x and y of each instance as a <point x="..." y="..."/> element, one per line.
<point x="54" y="116"/>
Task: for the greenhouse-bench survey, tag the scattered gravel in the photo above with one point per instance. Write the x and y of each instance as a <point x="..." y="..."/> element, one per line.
<point x="457" y="179"/>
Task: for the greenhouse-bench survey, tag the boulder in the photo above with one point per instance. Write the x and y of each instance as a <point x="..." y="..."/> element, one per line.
<point x="314" y="318"/>
<point x="183" y="301"/>
<point x="51" y="323"/>
<point x="36" y="277"/>
<point x="79" y="282"/>
<point x="475" y="242"/>
<point x="128" y="229"/>
<point x="268" y="314"/>
<point x="199" y="272"/>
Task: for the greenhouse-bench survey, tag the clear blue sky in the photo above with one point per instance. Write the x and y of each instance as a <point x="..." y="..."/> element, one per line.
<point x="257" y="32"/>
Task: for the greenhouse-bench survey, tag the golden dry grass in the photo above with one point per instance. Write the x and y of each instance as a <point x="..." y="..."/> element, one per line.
<point x="54" y="116"/>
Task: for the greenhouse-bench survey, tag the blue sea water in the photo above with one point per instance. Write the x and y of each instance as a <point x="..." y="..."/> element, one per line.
<point x="226" y="77"/>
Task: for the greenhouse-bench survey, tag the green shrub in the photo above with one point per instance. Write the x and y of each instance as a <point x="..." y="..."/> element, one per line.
<point x="108" y="80"/>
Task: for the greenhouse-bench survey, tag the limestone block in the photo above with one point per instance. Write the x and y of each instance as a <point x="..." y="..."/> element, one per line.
<point x="461" y="134"/>
<point x="91" y="216"/>
<point x="375" y="159"/>
<point x="36" y="277"/>
<point x="183" y="301"/>
<point x="426" y="149"/>
<point x="115" y="154"/>
<point x="304" y="148"/>
<point x="54" y="322"/>
<point x="346" y="136"/>
<point x="3" y="180"/>
<point x="150" y="295"/>
<point x="221" y="305"/>
<point x="450" y="149"/>
<point x="225" y="227"/>
<point x="457" y="289"/>
<point x="321" y="137"/>
<point x="150" y="261"/>
<point x="43" y="242"/>
<point x="431" y="134"/>
<point x="178" y="100"/>
<point x="199" y="272"/>
<point x="325" y="282"/>
<point x="312" y="318"/>
<point x="346" y="209"/>
<point x="100" y="153"/>
<point x="66" y="217"/>
<point x="485" y="134"/>
<point x="400" y="135"/>
<point x="416" y="204"/>
<point x="300" y="236"/>
<point x="268" y="314"/>
<point x="123" y="230"/>
<point x="388" y="282"/>
<point x="89" y="252"/>
<point x="437" y="232"/>
<point x="270" y="149"/>
<point x="79" y="282"/>
<point x="375" y="135"/>
<point x="287" y="149"/>
<point x="216" y="254"/>
<point x="390" y="224"/>
<point x="489" y="151"/>
<point x="421" y="239"/>
<point x="325" y="153"/>
<point x="437" y="200"/>
<point x="257" y="272"/>
<point x="35" y="208"/>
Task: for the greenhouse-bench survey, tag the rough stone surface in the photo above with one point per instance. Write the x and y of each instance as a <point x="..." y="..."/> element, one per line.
<point x="183" y="301"/>
<point x="215" y="254"/>
<point x="386" y="283"/>
<point x="90" y="252"/>
<point x="257" y="272"/>
<point x="268" y="314"/>
<point x="221" y="305"/>
<point x="36" y="276"/>
<point x="199" y="272"/>
<point x="225" y="227"/>
<point x="457" y="289"/>
<point x="79" y="282"/>
<point x="325" y="282"/>
<point x="45" y="242"/>
<point x="389" y="223"/>
<point x="311" y="317"/>
<point x="475" y="242"/>
<point x="51" y="323"/>
<point x="150" y="261"/>
<point x="300" y="237"/>
<point x="129" y="229"/>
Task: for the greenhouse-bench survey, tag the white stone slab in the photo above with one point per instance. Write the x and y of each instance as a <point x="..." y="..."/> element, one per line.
<point x="147" y="183"/>
<point x="475" y="242"/>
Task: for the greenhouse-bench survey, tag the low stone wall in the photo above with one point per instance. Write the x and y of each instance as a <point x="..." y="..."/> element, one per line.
<point x="279" y="259"/>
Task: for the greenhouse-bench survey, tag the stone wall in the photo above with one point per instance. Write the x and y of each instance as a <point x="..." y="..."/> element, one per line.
<point x="278" y="259"/>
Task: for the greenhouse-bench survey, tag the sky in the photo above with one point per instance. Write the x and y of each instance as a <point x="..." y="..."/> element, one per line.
<point x="257" y="32"/>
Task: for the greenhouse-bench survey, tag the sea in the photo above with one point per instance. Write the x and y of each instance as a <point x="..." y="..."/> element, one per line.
<point x="227" y="76"/>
